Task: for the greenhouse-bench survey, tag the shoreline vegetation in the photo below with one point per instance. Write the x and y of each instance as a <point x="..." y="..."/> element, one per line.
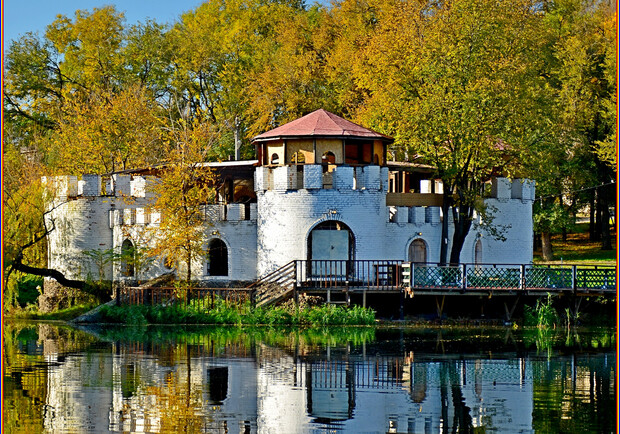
<point x="224" y="313"/>
<point x="544" y="315"/>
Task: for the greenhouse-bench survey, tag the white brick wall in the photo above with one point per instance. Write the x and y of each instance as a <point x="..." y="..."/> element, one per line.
<point x="122" y="185"/>
<point x="281" y="221"/>
<point x="91" y="185"/>
<point x="313" y="176"/>
<point x="501" y="189"/>
<point x="285" y="178"/>
<point x="343" y="178"/>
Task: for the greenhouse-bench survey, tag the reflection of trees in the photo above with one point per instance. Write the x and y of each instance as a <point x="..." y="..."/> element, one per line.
<point x="24" y="389"/>
<point x="25" y="370"/>
<point x="462" y="418"/>
<point x="180" y="404"/>
<point x="576" y="394"/>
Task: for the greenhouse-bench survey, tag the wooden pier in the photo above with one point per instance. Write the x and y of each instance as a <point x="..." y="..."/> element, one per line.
<point x="337" y="281"/>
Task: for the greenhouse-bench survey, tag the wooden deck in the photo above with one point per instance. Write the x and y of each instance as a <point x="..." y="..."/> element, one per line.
<point x="382" y="276"/>
<point x="334" y="279"/>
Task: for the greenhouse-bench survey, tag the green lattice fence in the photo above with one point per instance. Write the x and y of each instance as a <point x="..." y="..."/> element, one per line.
<point x="493" y="278"/>
<point x="437" y="277"/>
<point x="596" y="278"/>
<point x="548" y="278"/>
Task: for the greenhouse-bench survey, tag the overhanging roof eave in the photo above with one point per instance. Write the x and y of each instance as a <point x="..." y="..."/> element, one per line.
<point x="322" y="136"/>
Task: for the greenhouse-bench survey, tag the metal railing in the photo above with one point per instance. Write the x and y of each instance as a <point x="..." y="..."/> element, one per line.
<point x="368" y="274"/>
<point x="204" y="297"/>
<point x="393" y="275"/>
<point x="513" y="277"/>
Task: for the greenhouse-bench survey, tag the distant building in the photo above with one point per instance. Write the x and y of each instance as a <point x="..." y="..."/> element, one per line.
<point x="322" y="188"/>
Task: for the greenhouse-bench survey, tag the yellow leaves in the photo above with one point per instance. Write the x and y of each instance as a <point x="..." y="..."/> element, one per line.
<point x="108" y="132"/>
<point x="185" y="186"/>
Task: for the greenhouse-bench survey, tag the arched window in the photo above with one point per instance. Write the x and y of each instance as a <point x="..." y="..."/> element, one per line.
<point x="127" y="258"/>
<point x="328" y="158"/>
<point x="275" y="159"/>
<point x="417" y="251"/>
<point x="478" y="252"/>
<point x="218" y="258"/>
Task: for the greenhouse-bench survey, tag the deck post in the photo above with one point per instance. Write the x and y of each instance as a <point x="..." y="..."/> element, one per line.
<point x="522" y="276"/>
<point x="364" y="298"/>
<point x="440" y="306"/>
<point x="464" y="279"/>
<point x="402" y="305"/>
<point x="574" y="278"/>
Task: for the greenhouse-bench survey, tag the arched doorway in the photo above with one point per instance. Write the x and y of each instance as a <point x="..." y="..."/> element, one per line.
<point x="331" y="248"/>
<point x="218" y="258"/>
<point x="417" y="251"/>
<point x="127" y="258"/>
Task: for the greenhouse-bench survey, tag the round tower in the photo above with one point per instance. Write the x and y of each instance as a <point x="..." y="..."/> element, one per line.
<point x="321" y="186"/>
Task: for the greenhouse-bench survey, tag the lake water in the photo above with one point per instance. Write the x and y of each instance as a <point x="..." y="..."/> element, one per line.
<point x="261" y="380"/>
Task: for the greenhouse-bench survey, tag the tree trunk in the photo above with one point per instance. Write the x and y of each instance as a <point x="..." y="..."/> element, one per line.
<point x="605" y="232"/>
<point x="462" y="224"/>
<point x="237" y="134"/>
<point x="547" y="248"/>
<point x="445" y="208"/>
<point x="597" y="226"/>
<point x="592" y="228"/>
<point x="48" y="272"/>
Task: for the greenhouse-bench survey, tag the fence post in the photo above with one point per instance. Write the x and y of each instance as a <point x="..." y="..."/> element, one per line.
<point x="464" y="280"/>
<point x="522" y="277"/>
<point x="574" y="278"/>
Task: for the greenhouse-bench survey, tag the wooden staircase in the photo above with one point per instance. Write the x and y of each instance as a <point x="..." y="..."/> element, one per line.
<point x="276" y="287"/>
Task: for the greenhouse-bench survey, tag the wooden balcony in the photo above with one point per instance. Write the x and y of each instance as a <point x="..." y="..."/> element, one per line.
<point x="413" y="199"/>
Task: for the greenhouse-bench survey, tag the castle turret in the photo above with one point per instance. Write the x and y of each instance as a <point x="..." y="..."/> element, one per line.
<point x="321" y="184"/>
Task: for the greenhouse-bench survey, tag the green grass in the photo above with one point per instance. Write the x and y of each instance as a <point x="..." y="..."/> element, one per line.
<point x="578" y="249"/>
<point x="59" y="315"/>
<point x="231" y="314"/>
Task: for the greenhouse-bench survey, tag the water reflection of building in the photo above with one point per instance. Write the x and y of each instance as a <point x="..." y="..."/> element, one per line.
<point x="137" y="388"/>
<point x="279" y="393"/>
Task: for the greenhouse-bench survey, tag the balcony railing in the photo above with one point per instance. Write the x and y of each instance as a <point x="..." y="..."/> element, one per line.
<point x="395" y="275"/>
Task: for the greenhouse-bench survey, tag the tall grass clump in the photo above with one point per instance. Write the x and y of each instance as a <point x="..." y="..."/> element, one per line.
<point x="542" y="315"/>
<point x="219" y="311"/>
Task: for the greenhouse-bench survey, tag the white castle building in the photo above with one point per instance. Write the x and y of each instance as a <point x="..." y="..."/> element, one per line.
<point x="321" y="188"/>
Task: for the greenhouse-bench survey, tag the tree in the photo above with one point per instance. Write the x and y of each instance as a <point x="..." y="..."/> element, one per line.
<point x="185" y="186"/>
<point x="457" y="84"/>
<point x="107" y="132"/>
<point x="25" y="199"/>
<point x="219" y="46"/>
<point x="294" y="79"/>
<point x="583" y="76"/>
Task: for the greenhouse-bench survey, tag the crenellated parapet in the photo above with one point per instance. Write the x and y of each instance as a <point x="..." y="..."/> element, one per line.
<point x="71" y="187"/>
<point x="504" y="189"/>
<point x="318" y="176"/>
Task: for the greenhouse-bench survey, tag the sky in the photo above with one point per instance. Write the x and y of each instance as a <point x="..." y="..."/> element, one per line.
<point x="21" y="16"/>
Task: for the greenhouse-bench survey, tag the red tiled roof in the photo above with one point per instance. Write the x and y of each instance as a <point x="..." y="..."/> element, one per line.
<point x="320" y="123"/>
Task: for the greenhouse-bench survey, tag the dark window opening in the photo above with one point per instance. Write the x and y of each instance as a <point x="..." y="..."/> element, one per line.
<point x="328" y="158"/>
<point x="358" y="153"/>
<point x="218" y="258"/>
<point x="478" y="252"/>
<point x="127" y="259"/>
